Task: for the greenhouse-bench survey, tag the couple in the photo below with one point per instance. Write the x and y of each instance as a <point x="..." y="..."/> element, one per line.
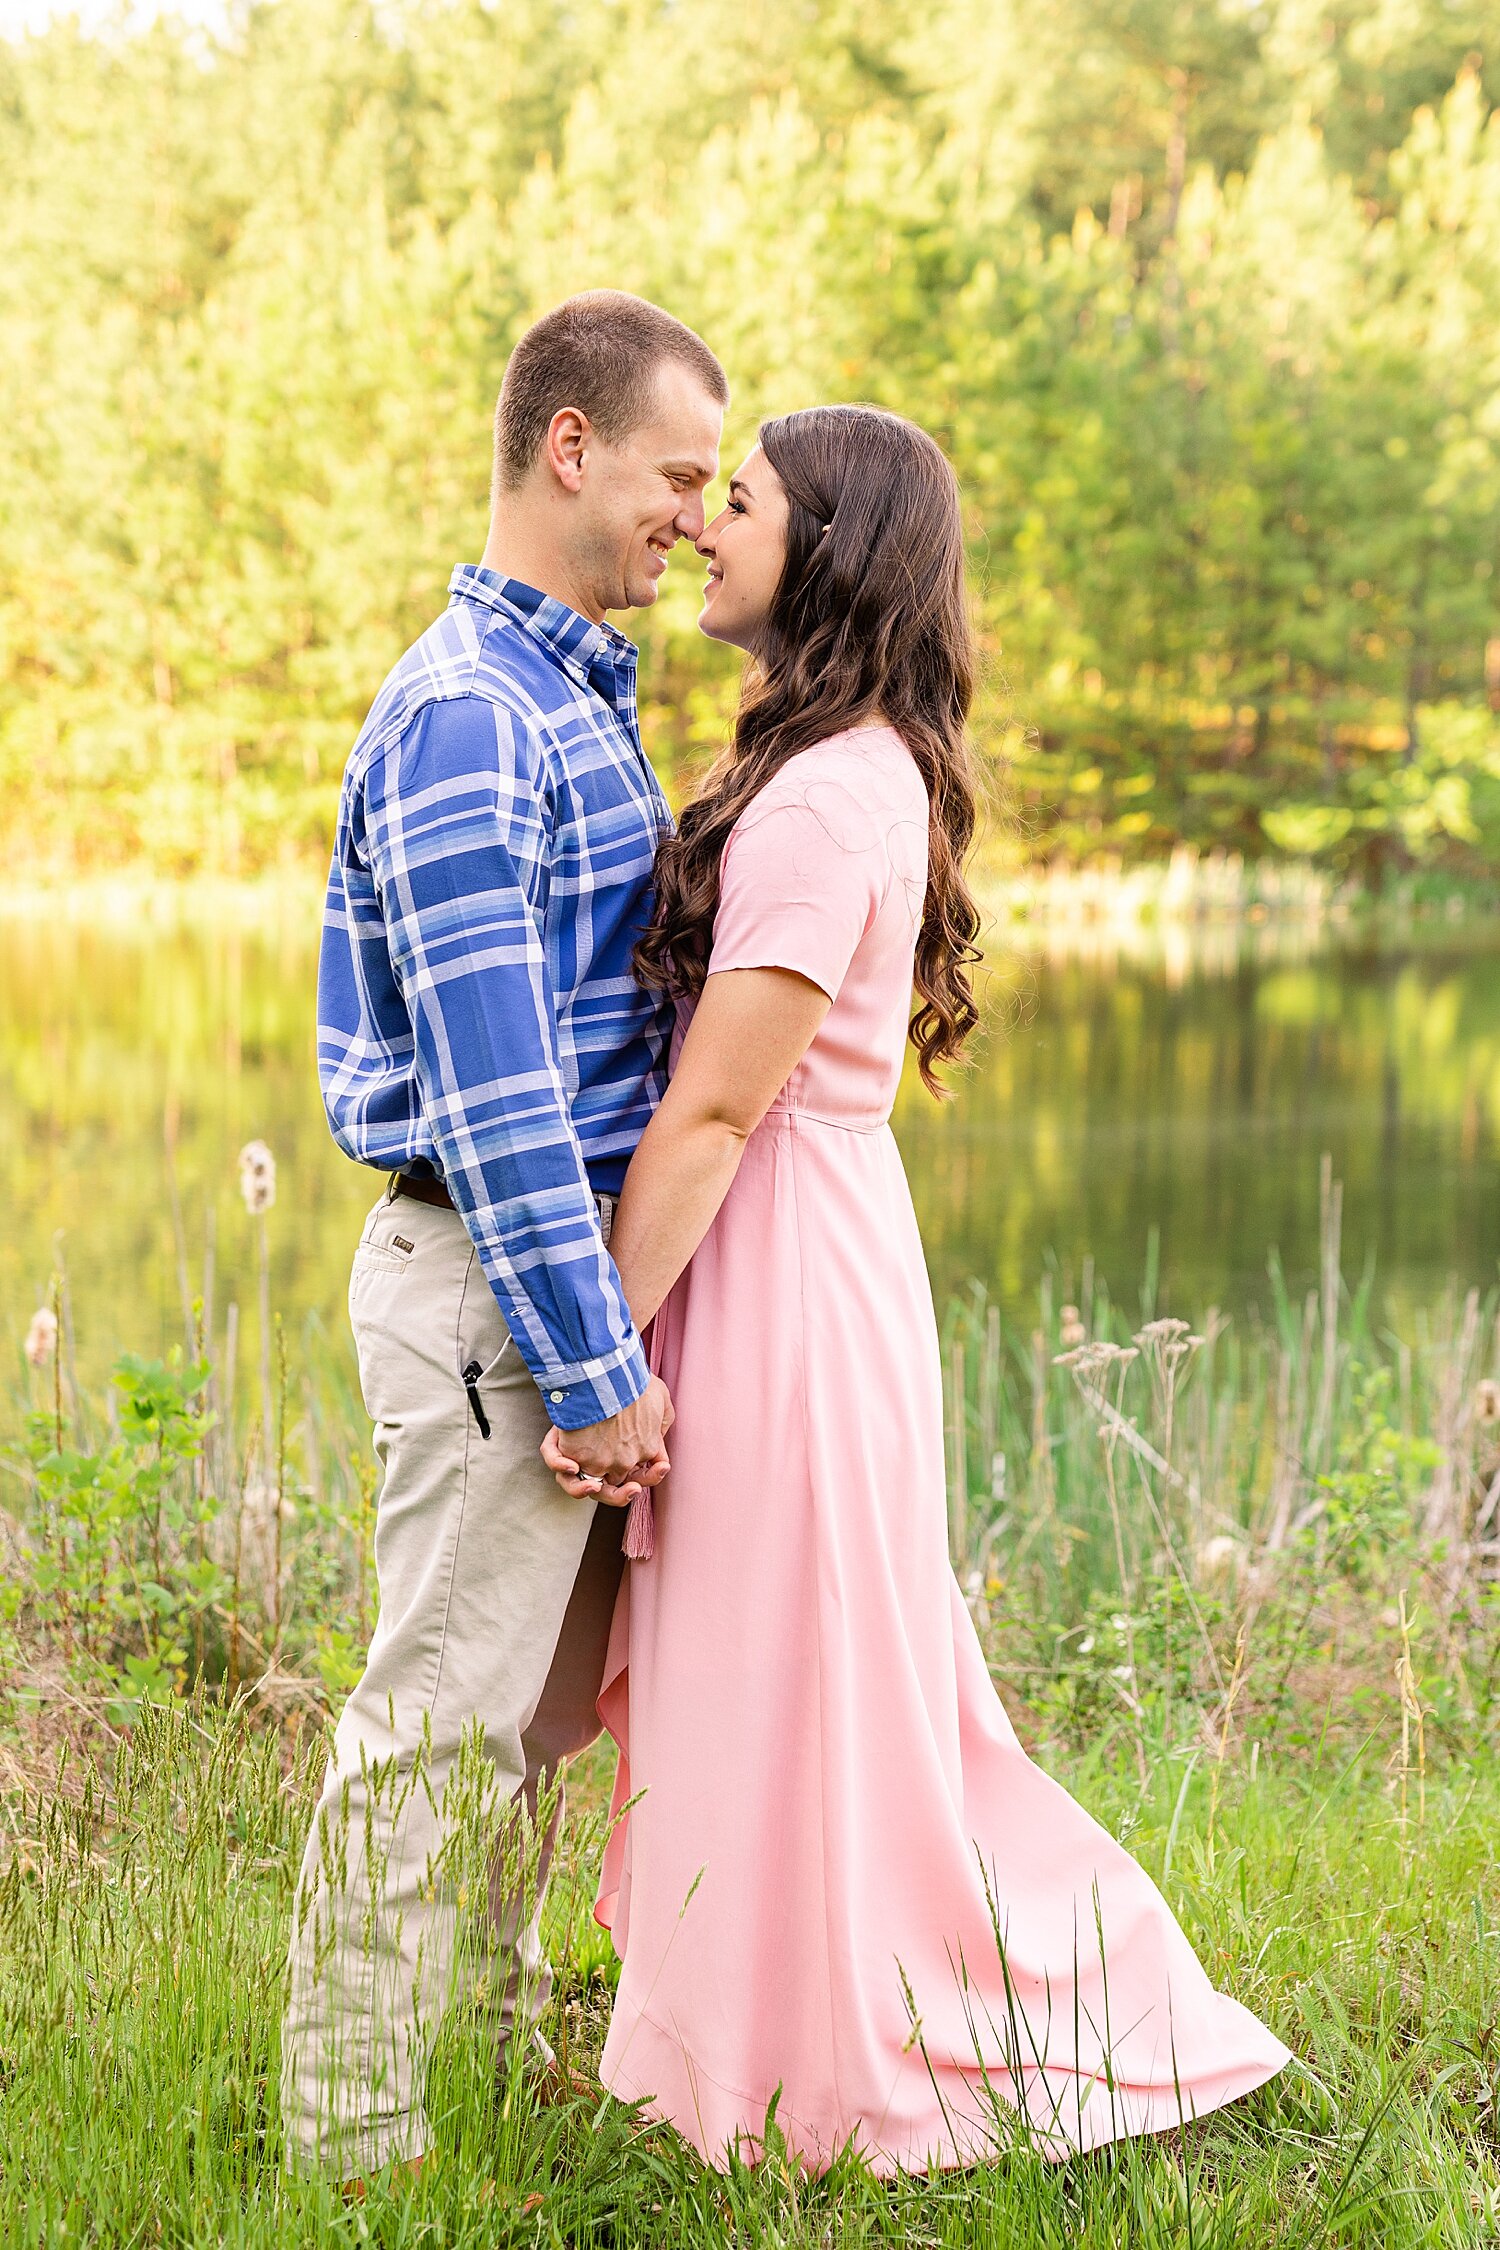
<point x="632" y="1088"/>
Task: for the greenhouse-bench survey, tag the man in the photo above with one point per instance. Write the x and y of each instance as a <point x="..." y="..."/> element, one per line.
<point x="481" y="1038"/>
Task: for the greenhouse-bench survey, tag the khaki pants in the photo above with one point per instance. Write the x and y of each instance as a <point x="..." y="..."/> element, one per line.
<point x="496" y="1593"/>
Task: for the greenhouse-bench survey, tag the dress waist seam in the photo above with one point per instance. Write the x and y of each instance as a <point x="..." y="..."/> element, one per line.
<point x="817" y="1117"/>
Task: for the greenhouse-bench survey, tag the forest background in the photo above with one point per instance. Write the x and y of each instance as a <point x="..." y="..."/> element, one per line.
<point x="1202" y="296"/>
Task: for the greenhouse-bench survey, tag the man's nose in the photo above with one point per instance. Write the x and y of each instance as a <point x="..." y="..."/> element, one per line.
<point x="689" y="518"/>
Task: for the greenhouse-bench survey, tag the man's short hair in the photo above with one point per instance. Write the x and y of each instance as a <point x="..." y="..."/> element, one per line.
<point x="599" y="352"/>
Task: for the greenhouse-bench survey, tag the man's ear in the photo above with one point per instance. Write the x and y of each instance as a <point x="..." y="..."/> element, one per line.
<point x="569" y="435"/>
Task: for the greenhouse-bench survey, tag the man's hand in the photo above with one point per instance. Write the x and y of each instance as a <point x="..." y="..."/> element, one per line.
<point x="612" y="1461"/>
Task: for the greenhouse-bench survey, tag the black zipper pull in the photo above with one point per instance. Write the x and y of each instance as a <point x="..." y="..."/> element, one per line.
<point x="471" y="1385"/>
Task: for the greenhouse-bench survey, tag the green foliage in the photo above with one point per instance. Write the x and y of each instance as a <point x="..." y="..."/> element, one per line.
<point x="1203" y="302"/>
<point x="1372" y="1498"/>
<point x="116" y="1565"/>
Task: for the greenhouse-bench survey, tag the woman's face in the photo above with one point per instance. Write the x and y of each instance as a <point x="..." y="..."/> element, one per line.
<point x="744" y="547"/>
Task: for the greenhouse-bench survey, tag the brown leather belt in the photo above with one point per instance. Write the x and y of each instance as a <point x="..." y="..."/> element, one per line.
<point x="420" y="1190"/>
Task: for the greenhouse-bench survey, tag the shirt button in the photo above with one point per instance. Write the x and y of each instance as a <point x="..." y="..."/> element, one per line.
<point x="558" y="1397"/>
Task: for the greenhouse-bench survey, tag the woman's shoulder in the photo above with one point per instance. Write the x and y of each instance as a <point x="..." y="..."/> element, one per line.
<point x="860" y="773"/>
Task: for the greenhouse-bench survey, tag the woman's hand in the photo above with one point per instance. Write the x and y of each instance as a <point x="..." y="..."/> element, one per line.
<point x="577" y="1486"/>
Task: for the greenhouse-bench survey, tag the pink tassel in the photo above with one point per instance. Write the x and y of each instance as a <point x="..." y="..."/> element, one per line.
<point x="640" y="1528"/>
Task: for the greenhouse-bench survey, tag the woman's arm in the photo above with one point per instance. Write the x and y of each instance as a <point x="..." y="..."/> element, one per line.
<point x="750" y="1030"/>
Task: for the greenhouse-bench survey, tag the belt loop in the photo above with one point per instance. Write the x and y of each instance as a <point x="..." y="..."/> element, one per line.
<point x="393" y="1187"/>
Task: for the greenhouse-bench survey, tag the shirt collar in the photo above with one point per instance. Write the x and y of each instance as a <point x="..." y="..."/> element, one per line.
<point x="597" y="656"/>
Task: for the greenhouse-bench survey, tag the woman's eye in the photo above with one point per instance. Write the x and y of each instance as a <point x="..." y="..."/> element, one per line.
<point x="735" y="507"/>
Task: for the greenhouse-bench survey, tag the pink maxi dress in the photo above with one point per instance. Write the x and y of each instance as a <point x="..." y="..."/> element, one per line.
<point x="844" y="1885"/>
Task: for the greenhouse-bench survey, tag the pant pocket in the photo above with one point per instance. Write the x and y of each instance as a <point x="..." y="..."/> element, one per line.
<point x="486" y="1349"/>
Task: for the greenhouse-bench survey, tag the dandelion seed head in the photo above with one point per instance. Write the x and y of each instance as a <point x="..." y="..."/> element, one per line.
<point x="257" y="1177"/>
<point x="41" y="1336"/>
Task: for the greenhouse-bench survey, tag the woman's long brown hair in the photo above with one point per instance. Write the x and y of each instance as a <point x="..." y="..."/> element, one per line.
<point x="869" y="622"/>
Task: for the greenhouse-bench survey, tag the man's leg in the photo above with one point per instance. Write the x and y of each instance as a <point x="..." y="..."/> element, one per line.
<point x="565" y="1721"/>
<point x="477" y="1552"/>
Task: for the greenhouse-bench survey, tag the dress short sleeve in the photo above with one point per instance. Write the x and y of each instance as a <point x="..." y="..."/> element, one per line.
<point x="803" y="876"/>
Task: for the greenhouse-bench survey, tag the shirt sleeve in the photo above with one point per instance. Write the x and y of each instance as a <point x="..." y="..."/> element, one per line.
<point x="459" y="846"/>
<point x="802" y="878"/>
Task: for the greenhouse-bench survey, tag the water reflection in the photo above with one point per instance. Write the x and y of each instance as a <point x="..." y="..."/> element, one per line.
<point x="1169" y="1079"/>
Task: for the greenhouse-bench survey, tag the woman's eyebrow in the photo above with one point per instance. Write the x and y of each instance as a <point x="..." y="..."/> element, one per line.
<point x="737" y="485"/>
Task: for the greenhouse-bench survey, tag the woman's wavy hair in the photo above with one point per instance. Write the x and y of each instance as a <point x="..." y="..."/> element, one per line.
<point x="869" y="621"/>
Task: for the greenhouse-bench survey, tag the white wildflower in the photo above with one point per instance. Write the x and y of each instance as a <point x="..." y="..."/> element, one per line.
<point x="41" y="1336"/>
<point x="1165" y="1332"/>
<point x="257" y="1177"/>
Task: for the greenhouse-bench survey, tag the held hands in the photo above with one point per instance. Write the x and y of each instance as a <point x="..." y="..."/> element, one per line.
<point x="612" y="1461"/>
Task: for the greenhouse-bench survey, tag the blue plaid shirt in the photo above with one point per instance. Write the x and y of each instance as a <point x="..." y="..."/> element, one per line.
<point x="477" y="1015"/>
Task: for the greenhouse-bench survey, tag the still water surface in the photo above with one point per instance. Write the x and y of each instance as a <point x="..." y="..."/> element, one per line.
<point x="1173" y="1092"/>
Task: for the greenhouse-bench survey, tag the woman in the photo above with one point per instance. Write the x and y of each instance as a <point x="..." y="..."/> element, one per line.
<point x="842" y="1887"/>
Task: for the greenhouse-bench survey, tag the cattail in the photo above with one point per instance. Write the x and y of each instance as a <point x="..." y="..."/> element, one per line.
<point x="41" y="1336"/>
<point x="257" y="1177"/>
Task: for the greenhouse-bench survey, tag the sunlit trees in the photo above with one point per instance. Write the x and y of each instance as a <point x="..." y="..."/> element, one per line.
<point x="1202" y="299"/>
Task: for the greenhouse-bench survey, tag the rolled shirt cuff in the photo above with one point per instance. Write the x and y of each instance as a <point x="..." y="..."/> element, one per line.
<point x="575" y="1397"/>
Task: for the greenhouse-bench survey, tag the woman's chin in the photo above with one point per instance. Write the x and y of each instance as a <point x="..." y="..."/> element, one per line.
<point x="717" y="628"/>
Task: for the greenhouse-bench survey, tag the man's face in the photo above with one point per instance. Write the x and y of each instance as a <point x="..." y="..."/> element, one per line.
<point x="641" y="496"/>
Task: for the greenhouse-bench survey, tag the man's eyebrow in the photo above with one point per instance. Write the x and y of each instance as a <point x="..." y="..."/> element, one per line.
<point x="692" y="469"/>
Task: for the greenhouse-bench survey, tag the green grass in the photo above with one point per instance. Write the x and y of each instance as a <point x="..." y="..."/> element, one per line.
<point x="1240" y="1592"/>
<point x="143" y="1926"/>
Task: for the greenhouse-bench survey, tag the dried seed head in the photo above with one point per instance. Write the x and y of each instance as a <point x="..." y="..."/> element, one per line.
<point x="1163" y="1332"/>
<point x="1218" y="1558"/>
<point x="257" y="1177"/>
<point x="41" y="1336"/>
<point x="1486" y="1400"/>
<point x="1071" y="1331"/>
<point x="1092" y="1359"/>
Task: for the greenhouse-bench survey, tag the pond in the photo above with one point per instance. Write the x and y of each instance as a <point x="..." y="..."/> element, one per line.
<point x="1147" y="1107"/>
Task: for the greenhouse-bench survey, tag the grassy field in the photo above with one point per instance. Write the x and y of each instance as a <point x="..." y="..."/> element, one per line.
<point x="1238" y="1589"/>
